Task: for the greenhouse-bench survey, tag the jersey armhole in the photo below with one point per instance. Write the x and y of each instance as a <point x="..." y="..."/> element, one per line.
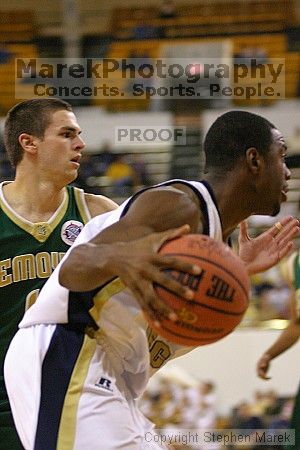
<point x="82" y="204"/>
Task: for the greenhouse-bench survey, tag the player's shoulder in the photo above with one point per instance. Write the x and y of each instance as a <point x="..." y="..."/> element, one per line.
<point x="100" y="221"/>
<point x="99" y="204"/>
<point x="174" y="185"/>
<point x="165" y="193"/>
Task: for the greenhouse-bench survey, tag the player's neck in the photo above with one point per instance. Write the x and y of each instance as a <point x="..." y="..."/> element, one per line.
<point x="233" y="208"/>
<point x="33" y="201"/>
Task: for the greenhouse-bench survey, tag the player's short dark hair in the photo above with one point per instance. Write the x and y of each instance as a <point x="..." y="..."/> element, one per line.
<point x="32" y="117"/>
<point x="232" y="134"/>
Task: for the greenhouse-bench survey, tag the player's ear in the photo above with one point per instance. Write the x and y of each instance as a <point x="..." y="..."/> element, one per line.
<point x="254" y="160"/>
<point x="28" y="142"/>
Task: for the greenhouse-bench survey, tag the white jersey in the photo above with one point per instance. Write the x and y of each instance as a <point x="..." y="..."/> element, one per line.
<point x="83" y="358"/>
<point x="112" y="310"/>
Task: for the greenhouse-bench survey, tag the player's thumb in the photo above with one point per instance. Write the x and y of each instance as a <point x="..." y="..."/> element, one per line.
<point x="173" y="233"/>
<point x="243" y="233"/>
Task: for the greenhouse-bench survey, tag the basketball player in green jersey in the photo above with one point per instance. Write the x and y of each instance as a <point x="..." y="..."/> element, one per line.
<point x="40" y="217"/>
<point x="287" y="338"/>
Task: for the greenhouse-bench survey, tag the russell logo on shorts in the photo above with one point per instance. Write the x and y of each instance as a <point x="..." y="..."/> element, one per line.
<point x="104" y="383"/>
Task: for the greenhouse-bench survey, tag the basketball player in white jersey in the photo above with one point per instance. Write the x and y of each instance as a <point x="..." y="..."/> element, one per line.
<point x="40" y="216"/>
<point x="84" y="351"/>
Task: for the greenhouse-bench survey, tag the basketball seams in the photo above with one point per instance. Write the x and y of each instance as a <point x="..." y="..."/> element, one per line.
<point x="213" y="263"/>
<point x="221" y="292"/>
<point x="196" y="339"/>
<point x="204" y="305"/>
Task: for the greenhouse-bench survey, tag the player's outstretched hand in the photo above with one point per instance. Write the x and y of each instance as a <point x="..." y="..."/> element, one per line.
<point x="267" y="249"/>
<point x="262" y="366"/>
<point x="144" y="267"/>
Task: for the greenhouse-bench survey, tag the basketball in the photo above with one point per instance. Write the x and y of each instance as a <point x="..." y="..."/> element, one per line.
<point x="221" y="292"/>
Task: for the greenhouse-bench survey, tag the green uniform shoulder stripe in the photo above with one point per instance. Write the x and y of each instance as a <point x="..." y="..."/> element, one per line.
<point x="82" y="205"/>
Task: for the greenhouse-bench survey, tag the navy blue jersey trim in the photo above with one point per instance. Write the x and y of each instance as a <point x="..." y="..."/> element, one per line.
<point x="57" y="370"/>
<point x="212" y="194"/>
<point x="208" y="187"/>
<point x="78" y="306"/>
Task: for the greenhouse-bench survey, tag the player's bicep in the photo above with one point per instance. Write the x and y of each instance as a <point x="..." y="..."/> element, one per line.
<point x="153" y="211"/>
<point x="162" y="209"/>
<point x="294" y="314"/>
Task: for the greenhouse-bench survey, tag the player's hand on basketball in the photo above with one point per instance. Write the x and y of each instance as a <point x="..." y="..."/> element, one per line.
<point x="263" y="366"/>
<point x="145" y="267"/>
<point x="267" y="249"/>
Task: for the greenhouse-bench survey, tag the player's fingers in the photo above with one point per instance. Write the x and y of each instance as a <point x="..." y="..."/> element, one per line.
<point x="288" y="219"/>
<point x="260" y="369"/>
<point x="243" y="231"/>
<point x="262" y="374"/>
<point x="145" y="303"/>
<point x="160" y="238"/>
<point x="152" y="305"/>
<point x="140" y="281"/>
<point x="285" y="242"/>
<point x="284" y="226"/>
<point x="263" y="367"/>
<point x="282" y="252"/>
<point x="167" y="281"/>
<point x="288" y="233"/>
<point x="179" y="264"/>
<point x="292" y="225"/>
<point x="159" y="307"/>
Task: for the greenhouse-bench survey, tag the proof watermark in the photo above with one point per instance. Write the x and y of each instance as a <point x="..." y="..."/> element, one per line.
<point x="138" y="78"/>
<point x="150" y="135"/>
<point x="207" y="438"/>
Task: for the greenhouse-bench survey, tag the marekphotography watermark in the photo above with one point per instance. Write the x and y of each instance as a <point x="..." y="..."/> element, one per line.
<point x="138" y="78"/>
<point x="151" y="135"/>
<point x="207" y="438"/>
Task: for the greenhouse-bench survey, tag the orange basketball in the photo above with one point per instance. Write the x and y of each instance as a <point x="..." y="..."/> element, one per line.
<point x="221" y="292"/>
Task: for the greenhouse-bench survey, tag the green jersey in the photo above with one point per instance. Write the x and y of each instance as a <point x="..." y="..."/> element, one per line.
<point x="295" y="419"/>
<point x="29" y="252"/>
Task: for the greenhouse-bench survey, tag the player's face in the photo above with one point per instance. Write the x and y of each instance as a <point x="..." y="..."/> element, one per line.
<point x="60" y="150"/>
<point x="274" y="187"/>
